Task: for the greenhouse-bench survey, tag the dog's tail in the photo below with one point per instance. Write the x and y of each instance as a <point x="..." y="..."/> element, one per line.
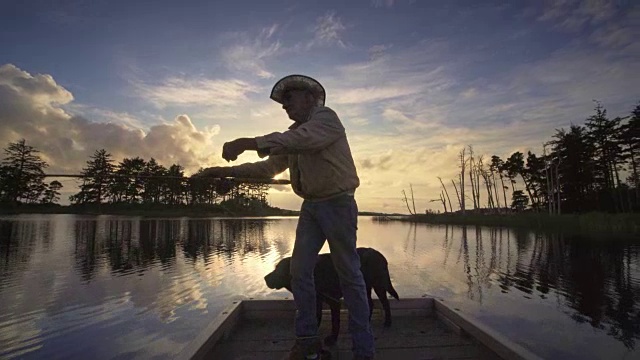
<point x="390" y="288"/>
<point x="393" y="292"/>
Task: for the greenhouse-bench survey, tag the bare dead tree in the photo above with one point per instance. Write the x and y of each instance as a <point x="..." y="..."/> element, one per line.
<point x="477" y="173"/>
<point x="457" y="194"/>
<point x="446" y="193"/>
<point x="463" y="165"/>
<point x="471" y="178"/>
<point x="487" y="182"/>
<point x="558" y="185"/>
<point x="441" y="200"/>
<point x="548" y="176"/>
<point x="495" y="187"/>
<point x="552" y="173"/>
<point x="412" y="199"/>
<point x="407" y="202"/>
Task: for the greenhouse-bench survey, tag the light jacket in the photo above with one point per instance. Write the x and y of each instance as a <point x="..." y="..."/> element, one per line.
<point x="316" y="153"/>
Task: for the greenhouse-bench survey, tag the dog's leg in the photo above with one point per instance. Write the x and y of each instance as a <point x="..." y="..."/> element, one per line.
<point x="382" y="295"/>
<point x="335" y="322"/>
<point x="319" y="309"/>
<point x="370" y="302"/>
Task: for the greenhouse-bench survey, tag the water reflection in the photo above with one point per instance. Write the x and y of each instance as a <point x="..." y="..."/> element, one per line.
<point x="134" y="245"/>
<point x="17" y="243"/>
<point x="596" y="280"/>
<point x="76" y="280"/>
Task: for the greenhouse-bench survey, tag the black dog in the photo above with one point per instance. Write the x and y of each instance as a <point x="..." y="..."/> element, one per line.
<point x="374" y="268"/>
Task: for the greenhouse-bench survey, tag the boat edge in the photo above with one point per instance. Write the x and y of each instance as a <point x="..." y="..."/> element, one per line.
<point x="490" y="338"/>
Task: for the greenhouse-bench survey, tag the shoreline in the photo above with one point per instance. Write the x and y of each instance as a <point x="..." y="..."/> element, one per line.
<point x="594" y="222"/>
<point x="195" y="211"/>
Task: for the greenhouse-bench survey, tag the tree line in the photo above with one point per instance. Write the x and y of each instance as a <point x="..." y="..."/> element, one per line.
<point x="589" y="167"/>
<point x="103" y="181"/>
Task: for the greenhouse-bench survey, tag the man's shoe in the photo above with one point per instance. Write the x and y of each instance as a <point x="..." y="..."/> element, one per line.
<point x="314" y="351"/>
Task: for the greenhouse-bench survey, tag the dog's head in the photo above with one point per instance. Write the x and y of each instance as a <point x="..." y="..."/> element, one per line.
<point x="281" y="276"/>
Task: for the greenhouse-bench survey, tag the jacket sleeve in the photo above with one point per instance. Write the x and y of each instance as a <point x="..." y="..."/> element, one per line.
<point x="320" y="131"/>
<point x="268" y="168"/>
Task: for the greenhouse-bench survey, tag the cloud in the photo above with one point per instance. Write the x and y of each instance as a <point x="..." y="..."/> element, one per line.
<point x="618" y="35"/>
<point x="208" y="92"/>
<point x="372" y="94"/>
<point x="469" y="93"/>
<point x="405" y="123"/>
<point x="574" y="15"/>
<point x="377" y="51"/>
<point x="377" y="162"/>
<point x="105" y="115"/>
<point x="250" y="53"/>
<point x="386" y="3"/>
<point x="328" y="31"/>
<point x="176" y="142"/>
<point x="41" y="89"/>
<point x="30" y="108"/>
<point x="410" y="73"/>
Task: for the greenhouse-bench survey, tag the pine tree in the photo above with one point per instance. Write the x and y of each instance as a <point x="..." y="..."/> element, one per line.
<point x="97" y="179"/>
<point x="22" y="173"/>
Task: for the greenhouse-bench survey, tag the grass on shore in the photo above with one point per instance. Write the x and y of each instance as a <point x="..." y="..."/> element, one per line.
<point x="625" y="223"/>
<point x="148" y="210"/>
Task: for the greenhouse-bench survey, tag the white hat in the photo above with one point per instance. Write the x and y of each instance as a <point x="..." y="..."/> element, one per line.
<point x="297" y="82"/>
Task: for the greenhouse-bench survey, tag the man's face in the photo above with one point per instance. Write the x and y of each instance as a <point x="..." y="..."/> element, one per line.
<point x="297" y="104"/>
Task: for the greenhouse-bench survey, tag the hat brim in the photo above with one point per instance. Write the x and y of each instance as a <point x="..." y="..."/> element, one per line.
<point x="298" y="82"/>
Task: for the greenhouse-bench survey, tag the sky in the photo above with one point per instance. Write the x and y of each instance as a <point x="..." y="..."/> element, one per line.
<point x="414" y="82"/>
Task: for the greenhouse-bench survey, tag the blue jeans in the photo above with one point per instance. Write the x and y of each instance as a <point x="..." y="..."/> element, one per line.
<point x="334" y="220"/>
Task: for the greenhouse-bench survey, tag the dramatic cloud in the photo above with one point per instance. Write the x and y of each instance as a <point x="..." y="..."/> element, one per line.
<point x="30" y="109"/>
<point x="501" y="77"/>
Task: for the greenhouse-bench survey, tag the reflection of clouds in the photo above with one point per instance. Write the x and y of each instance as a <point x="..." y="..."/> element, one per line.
<point x="159" y="281"/>
<point x="105" y="273"/>
<point x="20" y="336"/>
<point x="22" y="240"/>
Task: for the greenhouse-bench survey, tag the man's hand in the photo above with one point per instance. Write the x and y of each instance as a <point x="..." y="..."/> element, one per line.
<point x="232" y="149"/>
<point x="215" y="172"/>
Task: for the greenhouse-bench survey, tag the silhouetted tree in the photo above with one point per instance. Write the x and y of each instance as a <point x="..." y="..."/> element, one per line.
<point x="22" y="173"/>
<point x="175" y="188"/>
<point x="497" y="165"/>
<point x="519" y="201"/>
<point x="534" y="172"/>
<point x="97" y="179"/>
<point x="462" y="165"/>
<point x="575" y="154"/>
<point x="51" y="194"/>
<point x="630" y="143"/>
<point x="602" y="133"/>
<point x="154" y="183"/>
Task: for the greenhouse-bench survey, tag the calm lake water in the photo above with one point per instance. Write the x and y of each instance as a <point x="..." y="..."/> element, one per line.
<point x="126" y="287"/>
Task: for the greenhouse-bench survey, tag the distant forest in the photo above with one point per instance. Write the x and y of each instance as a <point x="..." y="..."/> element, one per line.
<point x="132" y="181"/>
<point x="589" y="167"/>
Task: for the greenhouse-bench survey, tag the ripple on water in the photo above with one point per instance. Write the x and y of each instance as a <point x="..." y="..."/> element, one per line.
<point x="125" y="287"/>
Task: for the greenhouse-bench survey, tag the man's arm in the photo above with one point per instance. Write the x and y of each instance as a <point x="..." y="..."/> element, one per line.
<point x="231" y="149"/>
<point x="269" y="168"/>
<point x="320" y="131"/>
